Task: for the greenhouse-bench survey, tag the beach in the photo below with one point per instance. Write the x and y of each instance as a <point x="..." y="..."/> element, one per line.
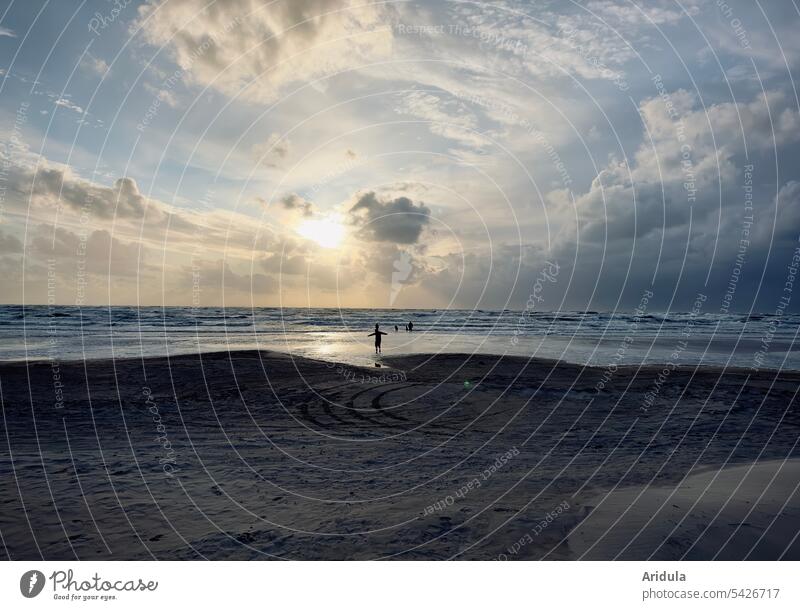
<point x="263" y="455"/>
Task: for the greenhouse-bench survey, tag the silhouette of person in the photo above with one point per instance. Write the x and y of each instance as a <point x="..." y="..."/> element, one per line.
<point x="377" y="334"/>
<point x="395" y="328"/>
<point x="410" y="326"/>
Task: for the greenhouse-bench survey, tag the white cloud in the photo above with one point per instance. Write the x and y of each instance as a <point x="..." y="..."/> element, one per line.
<point x="166" y="96"/>
<point x="655" y="13"/>
<point x="242" y="42"/>
<point x="96" y="65"/>
<point x="66" y="103"/>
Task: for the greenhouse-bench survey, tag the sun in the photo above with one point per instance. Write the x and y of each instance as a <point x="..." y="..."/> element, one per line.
<point x="326" y="232"/>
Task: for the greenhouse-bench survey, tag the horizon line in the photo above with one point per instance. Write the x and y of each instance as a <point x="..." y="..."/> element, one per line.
<point x="486" y="309"/>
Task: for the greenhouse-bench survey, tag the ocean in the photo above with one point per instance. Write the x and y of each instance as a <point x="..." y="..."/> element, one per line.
<point x="757" y="341"/>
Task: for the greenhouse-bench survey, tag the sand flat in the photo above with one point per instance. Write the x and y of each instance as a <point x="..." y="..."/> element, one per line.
<point x="733" y="513"/>
<point x="273" y="457"/>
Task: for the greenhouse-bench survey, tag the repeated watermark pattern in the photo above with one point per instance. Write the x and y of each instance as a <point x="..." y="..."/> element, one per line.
<point x="472" y="484"/>
<point x="744" y="240"/>
<point x="360" y="376"/>
<point x="673" y="361"/>
<point x="100" y="21"/>
<point x="618" y="358"/>
<point x="684" y="139"/>
<point x="538" y="528"/>
<point x="168" y="460"/>
<point x="178" y="75"/>
<point x="548" y="274"/>
<point x="735" y="23"/>
<point x="517" y="124"/>
<point x="780" y="309"/>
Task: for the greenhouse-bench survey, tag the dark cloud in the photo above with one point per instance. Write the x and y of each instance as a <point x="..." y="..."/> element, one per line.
<point x="51" y="186"/>
<point x="673" y="217"/>
<point x="787" y="216"/>
<point x="212" y="280"/>
<point x="290" y="264"/>
<point x="9" y="244"/>
<point x="44" y="187"/>
<point x="104" y="254"/>
<point x="397" y="220"/>
<point x="293" y="201"/>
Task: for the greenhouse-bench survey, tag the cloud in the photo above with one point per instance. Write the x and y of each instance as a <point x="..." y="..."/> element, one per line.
<point x="219" y="247"/>
<point x="214" y="279"/>
<point x="551" y="45"/>
<point x="37" y="188"/>
<point x="52" y="185"/>
<point x="299" y="265"/>
<point x="692" y="159"/>
<point x="274" y="148"/>
<point x="9" y="244"/>
<point x="104" y="254"/>
<point x="95" y="64"/>
<point x="230" y="45"/>
<point x="673" y="214"/>
<point x="496" y="278"/>
<point x="296" y="264"/>
<point x="787" y="215"/>
<point x="165" y="95"/>
<point x="66" y="103"/>
<point x="657" y="13"/>
<point x="396" y="220"/>
<point x="448" y="118"/>
<point x="295" y="202"/>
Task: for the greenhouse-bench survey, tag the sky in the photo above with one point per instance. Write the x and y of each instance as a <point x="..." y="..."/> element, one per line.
<point x="571" y="155"/>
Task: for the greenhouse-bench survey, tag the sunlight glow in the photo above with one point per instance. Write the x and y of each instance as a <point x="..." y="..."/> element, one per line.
<point x="326" y="232"/>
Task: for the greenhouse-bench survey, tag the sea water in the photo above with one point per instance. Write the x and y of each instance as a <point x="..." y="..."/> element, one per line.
<point x="597" y="338"/>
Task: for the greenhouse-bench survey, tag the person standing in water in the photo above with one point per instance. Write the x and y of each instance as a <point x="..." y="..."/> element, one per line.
<point x="410" y="327"/>
<point x="377" y="334"/>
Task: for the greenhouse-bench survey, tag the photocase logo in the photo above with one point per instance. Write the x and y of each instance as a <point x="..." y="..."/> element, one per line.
<point x="31" y="583"/>
<point x="402" y="269"/>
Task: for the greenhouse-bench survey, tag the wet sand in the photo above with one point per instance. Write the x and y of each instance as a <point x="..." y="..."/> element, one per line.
<point x="253" y="455"/>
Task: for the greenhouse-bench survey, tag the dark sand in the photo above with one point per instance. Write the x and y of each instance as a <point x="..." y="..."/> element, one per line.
<point x="271" y="457"/>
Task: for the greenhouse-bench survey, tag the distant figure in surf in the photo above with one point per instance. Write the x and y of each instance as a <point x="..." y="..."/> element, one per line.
<point x="377" y="334"/>
<point x="395" y="328"/>
<point x="410" y="327"/>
